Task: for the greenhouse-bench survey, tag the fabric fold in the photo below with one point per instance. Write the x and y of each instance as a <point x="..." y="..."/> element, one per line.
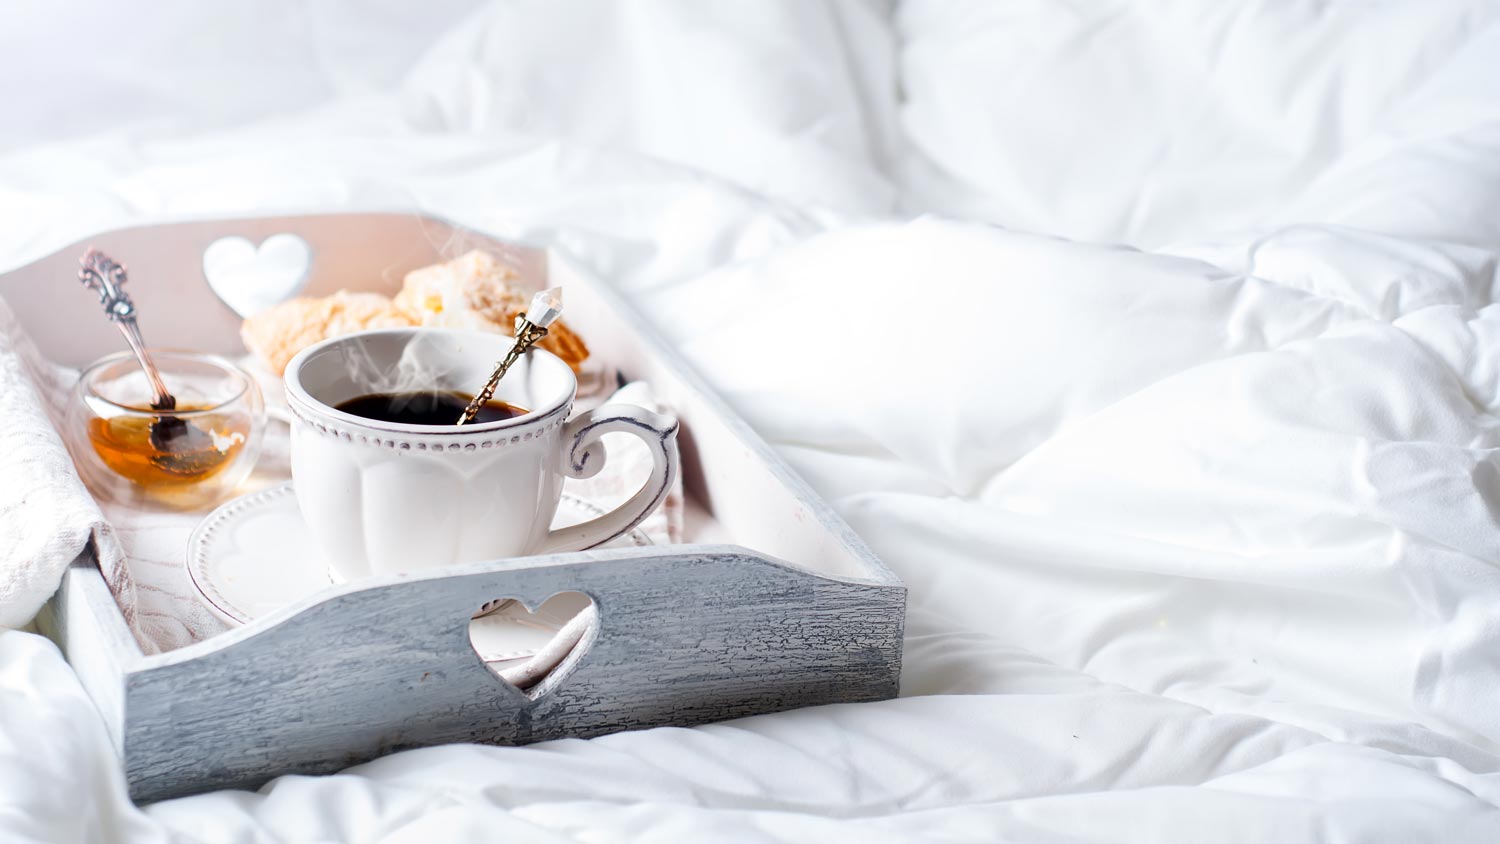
<point x="48" y="518"/>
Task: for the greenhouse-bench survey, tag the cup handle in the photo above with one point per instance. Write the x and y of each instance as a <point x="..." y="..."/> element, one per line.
<point x="583" y="457"/>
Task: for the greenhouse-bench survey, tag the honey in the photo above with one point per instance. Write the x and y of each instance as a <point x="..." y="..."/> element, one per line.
<point x="126" y="445"/>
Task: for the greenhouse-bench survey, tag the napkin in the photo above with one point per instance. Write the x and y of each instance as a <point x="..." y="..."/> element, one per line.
<point x="47" y="517"/>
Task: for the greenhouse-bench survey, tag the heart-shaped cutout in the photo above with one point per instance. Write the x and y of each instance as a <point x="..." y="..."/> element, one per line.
<point x="525" y="647"/>
<point x="250" y="279"/>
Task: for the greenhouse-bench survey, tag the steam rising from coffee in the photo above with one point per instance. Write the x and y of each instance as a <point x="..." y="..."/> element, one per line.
<point x="423" y="369"/>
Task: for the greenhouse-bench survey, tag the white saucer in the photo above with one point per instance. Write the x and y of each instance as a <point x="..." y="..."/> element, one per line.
<point x="253" y="555"/>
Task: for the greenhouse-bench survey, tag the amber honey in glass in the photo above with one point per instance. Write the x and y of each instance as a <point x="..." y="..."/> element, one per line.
<point x="127" y="447"/>
<point x="193" y="456"/>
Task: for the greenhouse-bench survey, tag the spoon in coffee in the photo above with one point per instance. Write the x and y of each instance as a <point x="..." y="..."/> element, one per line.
<point x="181" y="448"/>
<point x="531" y="327"/>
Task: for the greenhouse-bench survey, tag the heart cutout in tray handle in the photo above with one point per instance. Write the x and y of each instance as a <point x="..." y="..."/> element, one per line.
<point x="250" y="278"/>
<point x="546" y="638"/>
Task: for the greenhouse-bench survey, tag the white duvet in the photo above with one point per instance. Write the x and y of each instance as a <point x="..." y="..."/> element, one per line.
<point x="1202" y="541"/>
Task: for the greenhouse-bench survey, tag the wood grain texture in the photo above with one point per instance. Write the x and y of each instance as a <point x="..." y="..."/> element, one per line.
<point x="685" y="636"/>
<point x="85" y="622"/>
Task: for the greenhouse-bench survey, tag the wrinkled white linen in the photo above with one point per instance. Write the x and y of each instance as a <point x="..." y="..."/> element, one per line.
<point x="652" y="79"/>
<point x="47" y="518"/>
<point x="1154" y="122"/>
<point x="1201" y="543"/>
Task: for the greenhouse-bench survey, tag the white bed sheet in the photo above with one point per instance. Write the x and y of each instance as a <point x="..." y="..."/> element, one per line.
<point x="1155" y="122"/>
<point x="1202" y="543"/>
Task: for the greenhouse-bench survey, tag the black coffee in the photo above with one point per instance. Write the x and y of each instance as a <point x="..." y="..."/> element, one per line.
<point x="428" y="408"/>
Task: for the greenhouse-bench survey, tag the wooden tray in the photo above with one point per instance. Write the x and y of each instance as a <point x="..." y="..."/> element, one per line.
<point x="772" y="604"/>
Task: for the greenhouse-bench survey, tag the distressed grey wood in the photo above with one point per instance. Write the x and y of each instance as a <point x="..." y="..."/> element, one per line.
<point x="686" y="634"/>
<point x="84" y="621"/>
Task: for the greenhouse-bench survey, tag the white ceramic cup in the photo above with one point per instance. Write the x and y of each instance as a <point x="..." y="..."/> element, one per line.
<point x="382" y="497"/>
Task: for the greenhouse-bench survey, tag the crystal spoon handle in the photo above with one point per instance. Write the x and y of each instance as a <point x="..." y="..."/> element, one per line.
<point x="530" y="328"/>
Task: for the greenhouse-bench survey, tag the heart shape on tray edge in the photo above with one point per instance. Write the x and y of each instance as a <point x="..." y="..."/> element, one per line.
<point x="564" y="625"/>
<point x="250" y="278"/>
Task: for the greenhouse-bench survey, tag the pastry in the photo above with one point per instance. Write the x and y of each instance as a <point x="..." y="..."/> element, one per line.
<point x="277" y="334"/>
<point x="476" y="290"/>
<point x="471" y="291"/>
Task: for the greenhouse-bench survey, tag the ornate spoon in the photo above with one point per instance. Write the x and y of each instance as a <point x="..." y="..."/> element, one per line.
<point x="531" y="327"/>
<point x="184" y="449"/>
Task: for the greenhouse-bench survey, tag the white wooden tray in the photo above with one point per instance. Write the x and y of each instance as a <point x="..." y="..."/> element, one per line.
<point x="773" y="604"/>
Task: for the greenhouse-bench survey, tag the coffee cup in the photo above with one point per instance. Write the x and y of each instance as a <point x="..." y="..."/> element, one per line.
<point x="382" y="497"/>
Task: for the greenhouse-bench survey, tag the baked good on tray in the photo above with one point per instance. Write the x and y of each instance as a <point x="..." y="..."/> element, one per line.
<point x="475" y="291"/>
<point x="276" y="335"/>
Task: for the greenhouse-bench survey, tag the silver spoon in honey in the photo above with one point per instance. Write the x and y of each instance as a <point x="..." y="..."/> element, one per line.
<point x="181" y="447"/>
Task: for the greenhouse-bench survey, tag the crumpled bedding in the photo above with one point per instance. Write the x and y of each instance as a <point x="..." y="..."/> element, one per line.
<point x="1202" y="541"/>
